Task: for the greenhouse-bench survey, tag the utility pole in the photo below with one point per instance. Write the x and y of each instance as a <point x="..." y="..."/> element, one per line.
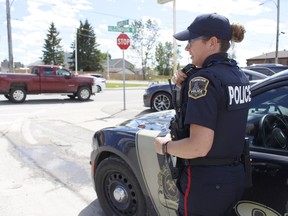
<point x="174" y="40"/>
<point x="76" y="53"/>
<point x="11" y="68"/>
<point x="108" y="69"/>
<point x="174" y="31"/>
<point x="277" y="30"/>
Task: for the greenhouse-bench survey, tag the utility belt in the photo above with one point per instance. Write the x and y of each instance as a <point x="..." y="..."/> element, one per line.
<point x="203" y="161"/>
<point x="206" y="161"/>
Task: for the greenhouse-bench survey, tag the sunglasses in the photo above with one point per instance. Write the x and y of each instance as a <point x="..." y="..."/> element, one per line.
<point x="195" y="39"/>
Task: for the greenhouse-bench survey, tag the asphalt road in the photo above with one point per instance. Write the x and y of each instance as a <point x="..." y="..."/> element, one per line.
<point x="45" y="146"/>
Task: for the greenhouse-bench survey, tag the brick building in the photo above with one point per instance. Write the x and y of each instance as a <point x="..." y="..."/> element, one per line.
<point x="268" y="58"/>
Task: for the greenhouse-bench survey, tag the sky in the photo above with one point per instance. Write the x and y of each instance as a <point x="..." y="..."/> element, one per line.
<point x="30" y="21"/>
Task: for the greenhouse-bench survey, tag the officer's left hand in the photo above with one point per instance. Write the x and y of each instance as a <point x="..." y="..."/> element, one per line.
<point x="159" y="141"/>
<point x="178" y="78"/>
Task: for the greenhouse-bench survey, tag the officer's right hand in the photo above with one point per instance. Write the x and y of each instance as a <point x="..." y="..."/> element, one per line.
<point x="179" y="77"/>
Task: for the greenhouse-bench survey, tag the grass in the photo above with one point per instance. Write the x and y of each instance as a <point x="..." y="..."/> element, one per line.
<point x="120" y="85"/>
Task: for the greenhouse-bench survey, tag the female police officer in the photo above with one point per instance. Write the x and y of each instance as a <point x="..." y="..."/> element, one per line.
<point x="216" y="101"/>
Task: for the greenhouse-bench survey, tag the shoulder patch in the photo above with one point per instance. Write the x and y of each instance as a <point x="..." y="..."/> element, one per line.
<point x="198" y="87"/>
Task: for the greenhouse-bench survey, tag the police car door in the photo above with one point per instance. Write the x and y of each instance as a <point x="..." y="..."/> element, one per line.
<point x="156" y="174"/>
<point x="267" y="128"/>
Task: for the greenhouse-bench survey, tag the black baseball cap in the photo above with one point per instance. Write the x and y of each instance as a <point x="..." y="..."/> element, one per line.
<point x="207" y="25"/>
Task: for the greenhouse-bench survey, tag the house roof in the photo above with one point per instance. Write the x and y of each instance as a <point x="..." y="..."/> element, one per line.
<point x="281" y="54"/>
<point x="118" y="63"/>
<point x="120" y="71"/>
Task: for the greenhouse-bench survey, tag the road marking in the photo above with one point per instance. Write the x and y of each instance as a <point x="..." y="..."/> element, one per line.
<point x="27" y="133"/>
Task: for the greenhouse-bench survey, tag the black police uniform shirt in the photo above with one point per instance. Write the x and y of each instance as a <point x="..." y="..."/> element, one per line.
<point x="218" y="98"/>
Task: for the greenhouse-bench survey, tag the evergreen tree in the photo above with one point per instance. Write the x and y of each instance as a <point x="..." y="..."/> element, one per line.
<point x="89" y="58"/>
<point x="53" y="52"/>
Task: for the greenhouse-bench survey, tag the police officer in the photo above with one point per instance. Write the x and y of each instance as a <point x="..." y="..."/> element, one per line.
<point x="215" y="108"/>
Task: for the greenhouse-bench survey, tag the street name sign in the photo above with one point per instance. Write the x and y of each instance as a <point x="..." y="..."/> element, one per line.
<point x="123" y="23"/>
<point x="163" y="1"/>
<point x="121" y="29"/>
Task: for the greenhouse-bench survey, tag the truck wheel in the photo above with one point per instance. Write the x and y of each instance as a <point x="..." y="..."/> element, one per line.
<point x="117" y="189"/>
<point x="17" y="95"/>
<point x="84" y="93"/>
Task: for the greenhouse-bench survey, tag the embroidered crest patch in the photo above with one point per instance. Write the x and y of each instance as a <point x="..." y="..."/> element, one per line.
<point x="198" y="87"/>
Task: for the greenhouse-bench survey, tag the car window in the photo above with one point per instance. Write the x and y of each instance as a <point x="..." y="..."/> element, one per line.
<point x="267" y="123"/>
<point x="35" y="71"/>
<point x="62" y="72"/>
<point x="278" y="69"/>
<point x="48" y="71"/>
<point x="255" y="77"/>
<point x="252" y="77"/>
<point x="265" y="71"/>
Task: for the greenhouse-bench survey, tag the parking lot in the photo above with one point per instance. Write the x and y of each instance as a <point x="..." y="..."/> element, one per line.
<point x="45" y="150"/>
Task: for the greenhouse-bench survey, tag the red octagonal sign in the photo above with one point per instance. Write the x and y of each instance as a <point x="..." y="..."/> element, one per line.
<point x="123" y="41"/>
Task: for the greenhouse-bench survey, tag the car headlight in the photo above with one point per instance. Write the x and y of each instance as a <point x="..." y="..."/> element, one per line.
<point x="147" y="91"/>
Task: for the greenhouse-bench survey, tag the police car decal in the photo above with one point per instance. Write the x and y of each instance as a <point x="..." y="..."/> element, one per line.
<point x="198" y="87"/>
<point x="239" y="96"/>
<point x="245" y="207"/>
<point x="168" y="192"/>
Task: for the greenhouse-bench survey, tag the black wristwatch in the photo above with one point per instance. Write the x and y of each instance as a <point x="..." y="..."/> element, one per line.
<point x="164" y="148"/>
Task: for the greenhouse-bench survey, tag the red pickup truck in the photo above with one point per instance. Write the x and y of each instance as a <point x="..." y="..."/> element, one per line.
<point x="46" y="79"/>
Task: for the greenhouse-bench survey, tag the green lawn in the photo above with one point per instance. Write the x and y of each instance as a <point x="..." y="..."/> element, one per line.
<point x="120" y="85"/>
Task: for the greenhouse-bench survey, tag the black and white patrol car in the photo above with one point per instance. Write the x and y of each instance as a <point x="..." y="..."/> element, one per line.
<point x="131" y="179"/>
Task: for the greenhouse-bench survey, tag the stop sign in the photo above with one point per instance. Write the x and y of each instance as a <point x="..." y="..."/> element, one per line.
<point x="123" y="41"/>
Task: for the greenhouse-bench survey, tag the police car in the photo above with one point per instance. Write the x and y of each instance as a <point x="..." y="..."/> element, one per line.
<point x="131" y="179"/>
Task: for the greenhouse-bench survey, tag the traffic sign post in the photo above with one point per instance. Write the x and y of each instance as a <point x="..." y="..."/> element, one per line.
<point x="123" y="42"/>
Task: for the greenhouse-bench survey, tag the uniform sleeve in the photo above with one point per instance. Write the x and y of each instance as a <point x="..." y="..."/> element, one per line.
<point x="203" y="102"/>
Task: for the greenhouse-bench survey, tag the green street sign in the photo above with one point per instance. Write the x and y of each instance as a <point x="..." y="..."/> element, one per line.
<point x="163" y="1"/>
<point x="123" y="23"/>
<point x="121" y="29"/>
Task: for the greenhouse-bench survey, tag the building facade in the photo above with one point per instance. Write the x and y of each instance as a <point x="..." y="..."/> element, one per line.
<point x="269" y="58"/>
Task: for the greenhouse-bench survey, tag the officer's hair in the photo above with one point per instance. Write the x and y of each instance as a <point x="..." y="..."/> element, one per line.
<point x="238" y="32"/>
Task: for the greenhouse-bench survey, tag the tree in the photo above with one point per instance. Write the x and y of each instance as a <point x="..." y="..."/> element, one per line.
<point x="53" y="52"/>
<point x="164" y="58"/>
<point x="143" y="40"/>
<point x="89" y="58"/>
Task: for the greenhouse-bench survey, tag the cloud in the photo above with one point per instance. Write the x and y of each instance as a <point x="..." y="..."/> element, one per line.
<point x="262" y="26"/>
<point x="226" y="7"/>
<point x="31" y="21"/>
<point x="32" y="28"/>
